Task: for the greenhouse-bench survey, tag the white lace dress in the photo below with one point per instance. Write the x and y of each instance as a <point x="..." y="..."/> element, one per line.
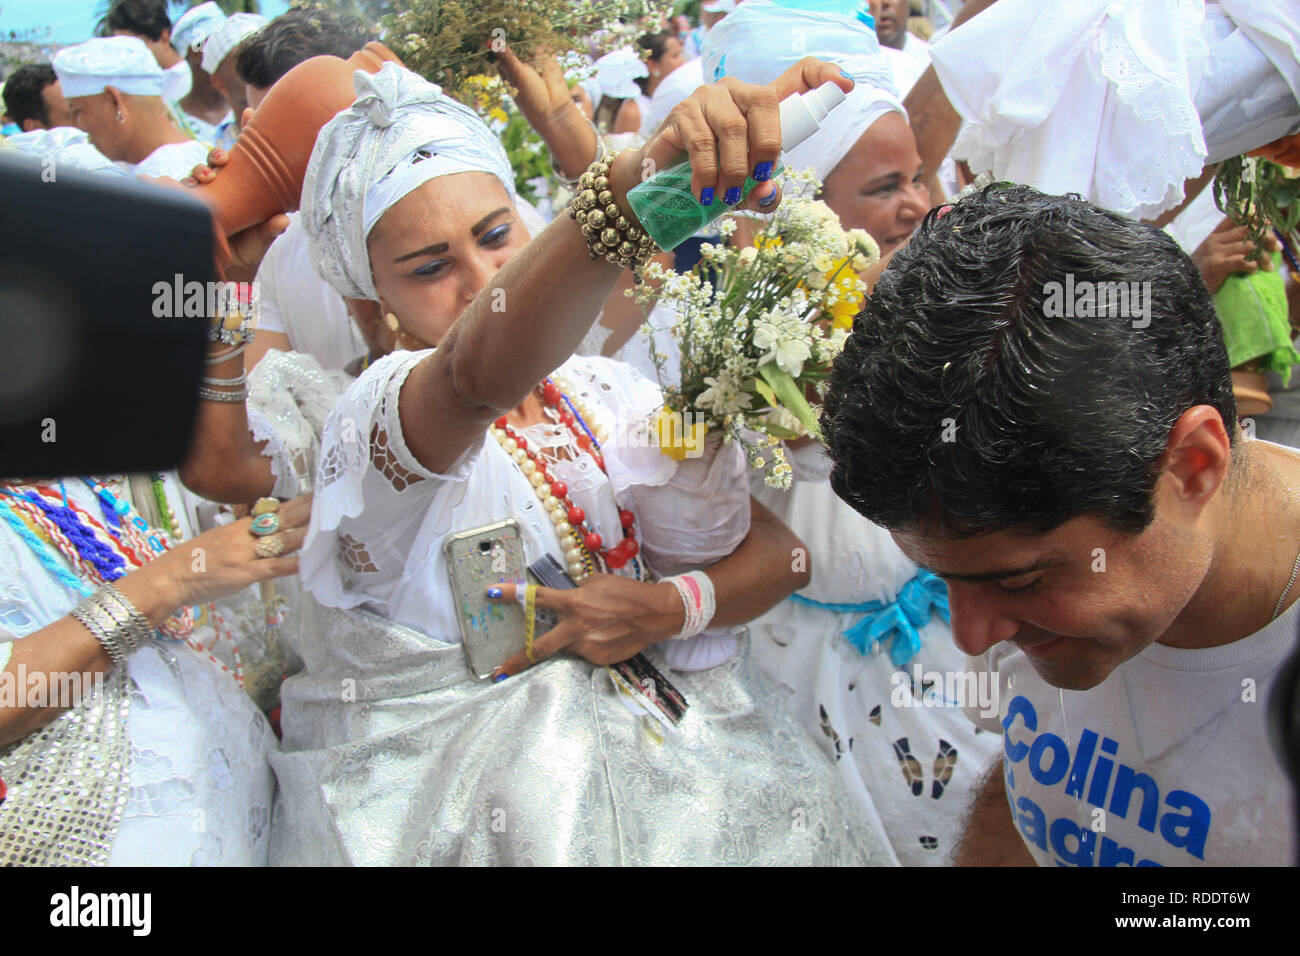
<point x="394" y="754"/>
<point x="898" y="736"/>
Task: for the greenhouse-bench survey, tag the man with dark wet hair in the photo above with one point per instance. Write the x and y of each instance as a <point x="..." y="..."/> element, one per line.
<point x="1036" y="401"/>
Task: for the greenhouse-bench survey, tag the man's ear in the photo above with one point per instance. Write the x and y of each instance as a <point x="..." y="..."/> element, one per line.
<point x="31" y="124"/>
<point x="116" y="99"/>
<point x="1197" y="456"/>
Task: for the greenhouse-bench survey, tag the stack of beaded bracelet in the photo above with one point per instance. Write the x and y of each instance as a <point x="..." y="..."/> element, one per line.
<point x="115" y="622"/>
<point x="696" y="590"/>
<point x="234" y="330"/>
<point x="608" y="232"/>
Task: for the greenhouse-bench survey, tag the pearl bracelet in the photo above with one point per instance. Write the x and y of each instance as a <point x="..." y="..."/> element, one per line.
<point x="696" y="591"/>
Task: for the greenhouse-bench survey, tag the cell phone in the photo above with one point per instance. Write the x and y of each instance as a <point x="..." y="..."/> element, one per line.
<point x="491" y="631"/>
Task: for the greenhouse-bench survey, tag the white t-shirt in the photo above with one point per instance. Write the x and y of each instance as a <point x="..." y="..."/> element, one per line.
<point x="905" y="68"/>
<point x="296" y="302"/>
<point x="176" y="160"/>
<point x="1167" y="762"/>
<point x="917" y="49"/>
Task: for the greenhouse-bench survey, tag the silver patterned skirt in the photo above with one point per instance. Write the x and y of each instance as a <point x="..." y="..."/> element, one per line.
<point x="393" y="754"/>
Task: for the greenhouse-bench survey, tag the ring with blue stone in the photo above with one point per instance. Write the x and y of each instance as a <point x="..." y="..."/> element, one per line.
<point x="265" y="524"/>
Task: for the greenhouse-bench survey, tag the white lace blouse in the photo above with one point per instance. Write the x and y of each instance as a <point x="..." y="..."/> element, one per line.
<point x="380" y="518"/>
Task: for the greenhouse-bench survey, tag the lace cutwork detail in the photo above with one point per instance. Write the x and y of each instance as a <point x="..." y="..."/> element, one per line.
<point x="382" y="457"/>
<point x="290" y="396"/>
<point x="354" y="556"/>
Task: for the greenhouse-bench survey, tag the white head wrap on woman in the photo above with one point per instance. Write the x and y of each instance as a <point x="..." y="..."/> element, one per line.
<point x="616" y="74"/>
<point x="763" y="39"/>
<point x="401" y="132"/>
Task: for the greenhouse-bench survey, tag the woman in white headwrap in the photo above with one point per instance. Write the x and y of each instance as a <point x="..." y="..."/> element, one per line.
<point x="393" y="751"/>
<point x="857" y="649"/>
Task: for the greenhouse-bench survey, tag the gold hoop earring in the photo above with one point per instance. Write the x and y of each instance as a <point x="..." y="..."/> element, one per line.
<point x="391" y="320"/>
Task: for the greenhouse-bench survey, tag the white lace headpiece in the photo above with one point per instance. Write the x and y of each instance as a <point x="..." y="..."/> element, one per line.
<point x="401" y="132"/>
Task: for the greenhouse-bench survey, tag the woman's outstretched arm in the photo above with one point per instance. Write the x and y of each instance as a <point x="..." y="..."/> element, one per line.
<point x="552" y="290"/>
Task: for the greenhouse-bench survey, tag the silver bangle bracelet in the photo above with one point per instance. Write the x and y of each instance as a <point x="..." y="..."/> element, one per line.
<point x="228" y="382"/>
<point x="140" y="631"/>
<point x="212" y="395"/>
<point x="104" y="629"/>
<point x="216" y="359"/>
<point x="571" y="181"/>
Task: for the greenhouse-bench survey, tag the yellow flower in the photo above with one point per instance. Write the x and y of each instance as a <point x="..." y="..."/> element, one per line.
<point x="674" y="441"/>
<point x="498" y="114"/>
<point x="850" y="300"/>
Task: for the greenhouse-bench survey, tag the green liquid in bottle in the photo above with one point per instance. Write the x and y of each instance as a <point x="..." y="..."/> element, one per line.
<point x="670" y="212"/>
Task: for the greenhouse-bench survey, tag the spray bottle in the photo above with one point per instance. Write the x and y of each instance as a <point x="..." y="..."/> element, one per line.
<point x="671" y="213"/>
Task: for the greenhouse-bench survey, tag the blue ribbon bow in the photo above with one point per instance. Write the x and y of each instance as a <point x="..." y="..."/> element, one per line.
<point x="902" y="617"/>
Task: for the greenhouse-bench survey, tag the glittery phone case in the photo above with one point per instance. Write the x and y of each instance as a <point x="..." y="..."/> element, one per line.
<point x="490" y="631"/>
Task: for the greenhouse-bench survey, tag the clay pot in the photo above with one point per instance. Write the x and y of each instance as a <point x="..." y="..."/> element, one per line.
<point x="1251" y="391"/>
<point x="268" y="162"/>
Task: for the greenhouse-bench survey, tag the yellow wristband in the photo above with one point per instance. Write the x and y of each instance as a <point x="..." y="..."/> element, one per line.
<point x="530" y="620"/>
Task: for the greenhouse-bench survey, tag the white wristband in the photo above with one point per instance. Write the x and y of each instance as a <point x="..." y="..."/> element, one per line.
<point x="696" y="591"/>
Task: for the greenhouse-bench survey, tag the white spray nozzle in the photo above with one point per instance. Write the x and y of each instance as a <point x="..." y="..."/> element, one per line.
<point x="802" y="114"/>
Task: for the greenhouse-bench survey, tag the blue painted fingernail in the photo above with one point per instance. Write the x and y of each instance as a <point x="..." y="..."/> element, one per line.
<point x="763" y="172"/>
<point x="706" y="196"/>
<point x="845" y="74"/>
<point x="499" y="678"/>
<point x="733" y="196"/>
<point x="768" y="199"/>
<point x="494" y="592"/>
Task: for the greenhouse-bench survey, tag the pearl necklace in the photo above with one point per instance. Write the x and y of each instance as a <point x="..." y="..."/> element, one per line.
<point x="583" y="553"/>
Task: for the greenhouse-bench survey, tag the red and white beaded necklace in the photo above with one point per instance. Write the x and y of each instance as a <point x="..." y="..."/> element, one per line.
<point x="584" y="547"/>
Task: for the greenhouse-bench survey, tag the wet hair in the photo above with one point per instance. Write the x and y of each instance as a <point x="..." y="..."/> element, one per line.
<point x="298" y="35"/>
<point x="655" y="45"/>
<point x="24" y="93"/>
<point x="970" y="398"/>
<point x="146" y="18"/>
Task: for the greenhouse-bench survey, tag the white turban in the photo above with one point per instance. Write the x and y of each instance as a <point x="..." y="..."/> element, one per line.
<point x="222" y="40"/>
<point x="123" y="63"/>
<point x="401" y="132"/>
<point x="763" y="39"/>
<point x="194" y="26"/>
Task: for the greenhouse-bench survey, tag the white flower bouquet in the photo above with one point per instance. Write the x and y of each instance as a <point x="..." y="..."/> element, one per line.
<point x="759" y="327"/>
